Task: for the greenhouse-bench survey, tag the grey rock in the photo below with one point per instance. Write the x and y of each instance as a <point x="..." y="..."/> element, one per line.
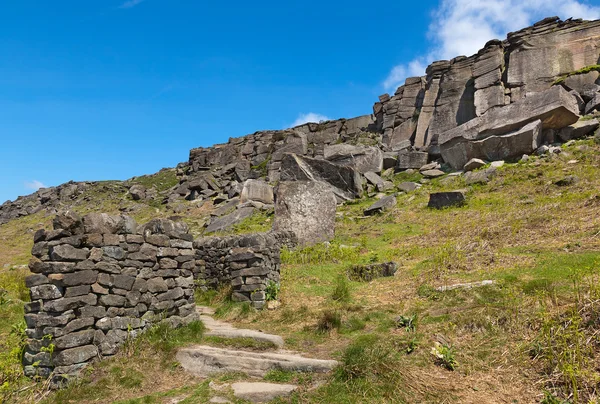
<point x="433" y="173"/>
<point x="381" y="205"/>
<point x="473" y="164"/>
<point x="411" y="159"/>
<point x="578" y="130"/>
<point x="75" y="355"/>
<point x="137" y="192"/>
<point x="86" y="277"/>
<point x="227" y="221"/>
<point x="441" y="200"/>
<point x="260" y="392"/>
<point x="46" y="292"/>
<point x="361" y="158"/>
<point x="257" y="190"/>
<point x="68" y="253"/>
<point x="345" y="182"/>
<point x="306" y="208"/>
<point x="408" y="186"/>
<point x="555" y="108"/>
<point x="74" y="339"/>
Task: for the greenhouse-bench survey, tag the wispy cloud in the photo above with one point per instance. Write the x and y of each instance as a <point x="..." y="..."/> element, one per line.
<point x="34" y="185"/>
<point x="310" y="117"/>
<point x="131" y="3"/>
<point x="462" y="27"/>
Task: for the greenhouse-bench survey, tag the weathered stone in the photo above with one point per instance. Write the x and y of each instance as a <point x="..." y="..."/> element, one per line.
<point x="441" y="200"/>
<point x="107" y="224"/>
<point x="69" y="221"/>
<point x="473" y="164"/>
<point x="408" y="186"/>
<point x="77" y="291"/>
<point x="75" y="355"/>
<point x="411" y="159"/>
<point x="555" y="108"/>
<point x="137" y="192"/>
<point x="112" y="300"/>
<point x="578" y="130"/>
<point x="80" y="278"/>
<point x="35" y="280"/>
<point x="510" y="145"/>
<point x="381" y="205"/>
<point x="74" y="339"/>
<point x="257" y="190"/>
<point x="345" y="182"/>
<point x="361" y="158"/>
<point x="123" y="281"/>
<point x="225" y="222"/>
<point x="114" y="252"/>
<point x="68" y="253"/>
<point x="46" y="292"/>
<point x="306" y="208"/>
<point x="156" y="285"/>
<point x="433" y="173"/>
<point x="69" y="303"/>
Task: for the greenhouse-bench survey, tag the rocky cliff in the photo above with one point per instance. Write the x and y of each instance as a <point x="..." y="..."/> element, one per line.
<point x="459" y="110"/>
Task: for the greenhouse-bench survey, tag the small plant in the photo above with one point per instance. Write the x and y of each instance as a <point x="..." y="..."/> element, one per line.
<point x="413" y="344"/>
<point x="409" y="323"/>
<point x="341" y="292"/>
<point x="272" y="291"/>
<point x="330" y="320"/>
<point x="444" y="355"/>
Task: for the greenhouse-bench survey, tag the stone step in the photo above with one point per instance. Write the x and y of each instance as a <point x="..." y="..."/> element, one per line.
<point x="206" y="360"/>
<point x="216" y="328"/>
<point x="257" y="392"/>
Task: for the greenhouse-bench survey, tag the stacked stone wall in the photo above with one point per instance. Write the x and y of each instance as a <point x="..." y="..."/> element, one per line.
<point x="249" y="263"/>
<point x="97" y="282"/>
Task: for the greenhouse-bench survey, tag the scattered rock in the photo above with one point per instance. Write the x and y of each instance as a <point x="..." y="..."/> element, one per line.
<point x="367" y="273"/>
<point x="441" y="200"/>
<point x="409" y="186"/>
<point x="466" y="285"/>
<point x="433" y="173"/>
<point x="568" y="180"/>
<point x="578" y="130"/>
<point x="473" y="164"/>
<point x="227" y="221"/>
<point x="257" y="190"/>
<point x="381" y="205"/>
<point x="361" y="158"/>
<point x="411" y="159"/>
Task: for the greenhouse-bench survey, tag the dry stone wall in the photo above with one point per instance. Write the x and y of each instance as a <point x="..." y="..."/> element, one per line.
<point x="249" y="263"/>
<point x="99" y="280"/>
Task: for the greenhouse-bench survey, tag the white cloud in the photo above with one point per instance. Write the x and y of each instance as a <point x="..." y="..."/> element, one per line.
<point x="131" y="3"/>
<point x="462" y="27"/>
<point x="310" y="117"/>
<point x="34" y="185"/>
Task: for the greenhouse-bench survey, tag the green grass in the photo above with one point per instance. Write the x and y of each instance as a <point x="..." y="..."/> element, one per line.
<point x="162" y="181"/>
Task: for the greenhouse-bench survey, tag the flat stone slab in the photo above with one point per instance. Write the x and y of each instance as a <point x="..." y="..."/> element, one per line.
<point x="204" y="360"/>
<point x="261" y="392"/>
<point x="470" y="285"/>
<point x="222" y="329"/>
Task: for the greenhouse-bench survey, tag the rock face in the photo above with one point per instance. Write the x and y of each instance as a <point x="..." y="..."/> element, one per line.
<point x="544" y="72"/>
<point x="345" y="182"/>
<point x="554" y="109"/>
<point x="306" y="208"/>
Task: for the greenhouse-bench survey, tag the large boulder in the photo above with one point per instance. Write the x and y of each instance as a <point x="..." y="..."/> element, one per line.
<point x="578" y="130"/>
<point x="306" y="208"/>
<point x="411" y="159"/>
<point x="555" y="108"/>
<point x="511" y="145"/>
<point x="345" y="182"/>
<point x="362" y="158"/>
<point x="257" y="190"/>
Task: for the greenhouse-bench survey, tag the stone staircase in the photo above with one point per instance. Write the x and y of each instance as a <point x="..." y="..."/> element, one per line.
<point x="204" y="361"/>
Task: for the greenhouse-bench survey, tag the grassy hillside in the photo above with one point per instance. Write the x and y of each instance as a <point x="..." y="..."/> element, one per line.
<point x="531" y="336"/>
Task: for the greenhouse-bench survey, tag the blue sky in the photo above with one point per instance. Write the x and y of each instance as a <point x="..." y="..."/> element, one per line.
<point x="110" y="89"/>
